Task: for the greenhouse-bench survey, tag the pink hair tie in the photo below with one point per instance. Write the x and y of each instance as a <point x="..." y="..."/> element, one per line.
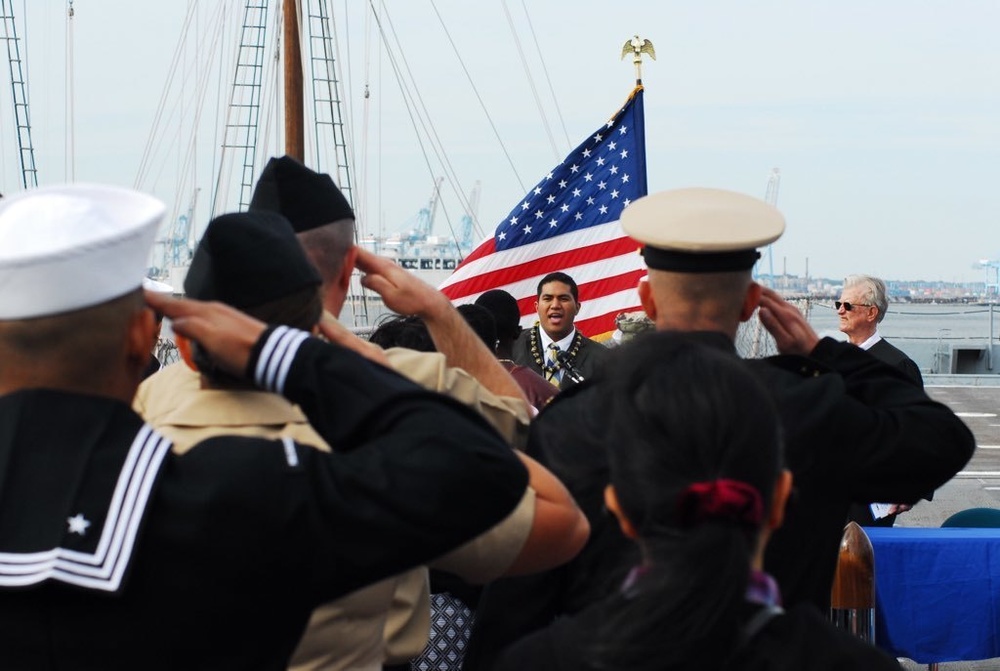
<point x="721" y="499"/>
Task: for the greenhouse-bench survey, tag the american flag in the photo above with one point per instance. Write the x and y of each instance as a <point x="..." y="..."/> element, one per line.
<point x="569" y="222"/>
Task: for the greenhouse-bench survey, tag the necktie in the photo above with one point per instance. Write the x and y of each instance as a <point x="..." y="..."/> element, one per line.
<point x="552" y="369"/>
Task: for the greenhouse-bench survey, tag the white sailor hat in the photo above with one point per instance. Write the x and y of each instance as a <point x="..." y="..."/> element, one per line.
<point x="149" y="284"/>
<point x="701" y="230"/>
<point x="68" y="247"/>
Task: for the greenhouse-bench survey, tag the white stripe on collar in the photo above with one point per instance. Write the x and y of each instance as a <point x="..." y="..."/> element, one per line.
<point x="276" y="357"/>
<point x="291" y="456"/>
<point x="104" y="568"/>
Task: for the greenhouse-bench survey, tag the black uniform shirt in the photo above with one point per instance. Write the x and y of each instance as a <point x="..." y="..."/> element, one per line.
<point x="240" y="538"/>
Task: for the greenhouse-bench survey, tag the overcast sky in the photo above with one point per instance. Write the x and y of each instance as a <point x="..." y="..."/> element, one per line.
<point x="882" y="116"/>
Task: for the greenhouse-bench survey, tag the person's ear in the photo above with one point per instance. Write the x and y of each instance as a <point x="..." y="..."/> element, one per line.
<point x="344" y="279"/>
<point x="611" y="502"/>
<point x="779" y="501"/>
<point x="184" y="348"/>
<point x="646" y="298"/>
<point x="750" y="301"/>
<point x="141" y="335"/>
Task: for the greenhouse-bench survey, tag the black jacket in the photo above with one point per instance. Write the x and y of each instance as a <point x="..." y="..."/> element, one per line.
<point x="794" y="641"/>
<point x="855" y="430"/>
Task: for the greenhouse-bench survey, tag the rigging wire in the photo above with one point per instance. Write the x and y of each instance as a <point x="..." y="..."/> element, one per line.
<point x="270" y="112"/>
<point x="465" y="200"/>
<point x="146" y="156"/>
<point x="412" y="109"/>
<point x="531" y="82"/>
<point x="480" y="99"/>
<point x="548" y="80"/>
<point x="171" y="132"/>
<point x="366" y="109"/>
<point x="432" y="135"/>
<point x="346" y="119"/>
<point x="358" y="295"/>
<point x="70" y="157"/>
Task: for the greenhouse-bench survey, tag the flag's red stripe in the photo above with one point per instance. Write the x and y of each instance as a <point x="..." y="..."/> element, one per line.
<point x="612" y="285"/>
<point x="594" y="290"/>
<point x="485" y="249"/>
<point x="540" y="266"/>
<point x="597" y="325"/>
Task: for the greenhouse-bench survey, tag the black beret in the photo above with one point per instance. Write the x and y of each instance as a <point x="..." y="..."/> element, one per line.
<point x="308" y="199"/>
<point x="248" y="259"/>
<point x="503" y="306"/>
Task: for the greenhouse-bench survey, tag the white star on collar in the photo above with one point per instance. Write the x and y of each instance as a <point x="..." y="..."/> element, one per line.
<point x="78" y="524"/>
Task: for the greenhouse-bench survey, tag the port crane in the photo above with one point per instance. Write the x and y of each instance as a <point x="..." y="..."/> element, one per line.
<point x="469" y="220"/>
<point x="424" y="224"/>
<point x="991" y="283"/>
<point x="771" y="198"/>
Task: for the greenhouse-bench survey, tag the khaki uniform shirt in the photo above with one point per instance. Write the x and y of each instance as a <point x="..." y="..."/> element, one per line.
<point x="343" y="634"/>
<point x="388" y="622"/>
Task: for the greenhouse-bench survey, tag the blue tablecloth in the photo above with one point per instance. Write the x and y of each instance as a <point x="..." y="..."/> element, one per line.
<point x="937" y="593"/>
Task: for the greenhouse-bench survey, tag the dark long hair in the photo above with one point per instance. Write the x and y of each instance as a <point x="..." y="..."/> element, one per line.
<point x="684" y="413"/>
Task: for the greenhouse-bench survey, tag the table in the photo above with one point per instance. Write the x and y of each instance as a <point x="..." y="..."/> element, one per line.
<point x="937" y="593"/>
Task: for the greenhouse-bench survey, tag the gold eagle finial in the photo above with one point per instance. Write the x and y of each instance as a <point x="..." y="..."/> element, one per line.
<point x="637" y="47"/>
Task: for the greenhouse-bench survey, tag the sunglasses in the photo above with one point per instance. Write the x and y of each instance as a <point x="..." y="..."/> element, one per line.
<point x="850" y="306"/>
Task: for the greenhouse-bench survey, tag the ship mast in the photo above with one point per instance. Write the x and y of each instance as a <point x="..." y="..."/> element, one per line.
<point x="294" y="136"/>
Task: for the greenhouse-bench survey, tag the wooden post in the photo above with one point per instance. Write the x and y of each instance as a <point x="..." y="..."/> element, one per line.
<point x="294" y="138"/>
<point x="852" y="599"/>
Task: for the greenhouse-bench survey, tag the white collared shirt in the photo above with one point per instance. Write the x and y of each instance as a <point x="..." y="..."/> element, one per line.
<point x="866" y="345"/>
<point x="563" y="344"/>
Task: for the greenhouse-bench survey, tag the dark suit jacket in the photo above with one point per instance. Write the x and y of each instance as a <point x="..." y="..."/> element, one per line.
<point x="885" y="351"/>
<point x="587" y="361"/>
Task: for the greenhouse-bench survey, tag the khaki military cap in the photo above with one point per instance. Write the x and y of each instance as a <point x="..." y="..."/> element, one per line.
<point x="702" y="230"/>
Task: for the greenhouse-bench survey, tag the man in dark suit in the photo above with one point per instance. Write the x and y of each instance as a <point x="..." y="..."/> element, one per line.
<point x="553" y="347"/>
<point x="861" y="308"/>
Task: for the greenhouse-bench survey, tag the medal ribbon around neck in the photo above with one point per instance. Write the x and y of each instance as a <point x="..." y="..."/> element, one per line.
<point x="536" y="352"/>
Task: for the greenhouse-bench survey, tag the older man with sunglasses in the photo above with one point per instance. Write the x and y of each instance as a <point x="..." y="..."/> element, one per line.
<point x="862" y="307"/>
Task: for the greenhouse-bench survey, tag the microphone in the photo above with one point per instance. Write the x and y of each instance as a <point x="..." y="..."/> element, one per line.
<point x="563" y="360"/>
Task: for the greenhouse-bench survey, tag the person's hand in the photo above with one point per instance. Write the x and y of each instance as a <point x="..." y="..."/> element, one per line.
<point x="337" y="333"/>
<point x="792" y="333"/>
<point x="897" y="508"/>
<point x="224" y="333"/>
<point x="401" y="291"/>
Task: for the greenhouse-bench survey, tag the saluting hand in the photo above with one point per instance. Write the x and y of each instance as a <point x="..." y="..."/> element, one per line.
<point x="792" y="333"/>
<point x="223" y="332"/>
<point x="401" y="291"/>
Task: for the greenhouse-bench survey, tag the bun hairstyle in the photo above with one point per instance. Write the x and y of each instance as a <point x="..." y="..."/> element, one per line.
<point x="695" y="455"/>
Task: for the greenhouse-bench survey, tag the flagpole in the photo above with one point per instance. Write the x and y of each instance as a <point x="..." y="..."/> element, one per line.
<point x="637" y="47"/>
<point x="569" y="222"/>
